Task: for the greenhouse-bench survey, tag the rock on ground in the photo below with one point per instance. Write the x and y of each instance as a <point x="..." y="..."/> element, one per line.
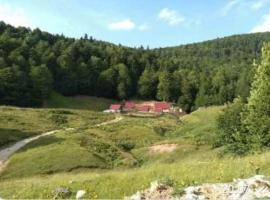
<point x="80" y="194"/>
<point x="61" y="193"/>
<point x="256" y="187"/>
<point x="156" y="191"/>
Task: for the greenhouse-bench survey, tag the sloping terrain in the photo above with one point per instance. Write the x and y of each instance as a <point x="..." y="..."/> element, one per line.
<point x="97" y="141"/>
<point x="19" y="123"/>
<point x="114" y="161"/>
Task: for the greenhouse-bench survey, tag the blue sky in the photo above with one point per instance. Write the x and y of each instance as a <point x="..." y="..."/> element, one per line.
<point x="156" y="23"/>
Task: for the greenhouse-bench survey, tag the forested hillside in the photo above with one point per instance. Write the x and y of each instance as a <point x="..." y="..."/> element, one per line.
<point x="35" y="63"/>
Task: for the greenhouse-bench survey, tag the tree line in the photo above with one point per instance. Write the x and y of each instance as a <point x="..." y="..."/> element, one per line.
<point x="33" y="63"/>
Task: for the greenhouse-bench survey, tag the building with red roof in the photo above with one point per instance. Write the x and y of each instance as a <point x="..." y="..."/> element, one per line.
<point x="143" y="108"/>
<point x="162" y="107"/>
<point x="116" y="107"/>
<point x="129" y="105"/>
<point x="148" y="106"/>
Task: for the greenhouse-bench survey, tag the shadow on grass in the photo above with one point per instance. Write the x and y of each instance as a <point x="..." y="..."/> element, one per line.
<point x="9" y="136"/>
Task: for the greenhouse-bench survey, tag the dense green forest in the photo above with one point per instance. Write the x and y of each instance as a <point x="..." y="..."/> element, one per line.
<point x="35" y="63"/>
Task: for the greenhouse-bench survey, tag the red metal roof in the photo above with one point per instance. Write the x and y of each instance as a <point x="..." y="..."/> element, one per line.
<point x="144" y="108"/>
<point x="162" y="106"/>
<point x="129" y="105"/>
<point x="115" y="106"/>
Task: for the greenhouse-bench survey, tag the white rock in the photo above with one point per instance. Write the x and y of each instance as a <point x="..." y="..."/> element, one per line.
<point x="154" y="186"/>
<point x="136" y="196"/>
<point x="80" y="194"/>
<point x="256" y="187"/>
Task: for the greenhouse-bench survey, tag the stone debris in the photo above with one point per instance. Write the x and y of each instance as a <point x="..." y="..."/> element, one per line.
<point x="240" y="189"/>
<point x="156" y="191"/>
<point x="80" y="194"/>
<point x="257" y="187"/>
<point x="61" y="193"/>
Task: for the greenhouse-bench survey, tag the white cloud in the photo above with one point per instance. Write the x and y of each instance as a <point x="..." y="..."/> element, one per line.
<point x="264" y="26"/>
<point x="171" y="17"/>
<point x="258" y="4"/>
<point x="14" y="16"/>
<point x="125" y="25"/>
<point x="244" y="6"/>
<point x="143" y="27"/>
<point x="229" y="6"/>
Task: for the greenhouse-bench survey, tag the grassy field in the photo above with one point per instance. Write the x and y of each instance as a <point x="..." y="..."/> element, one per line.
<point x="78" y="102"/>
<point x="20" y="123"/>
<point x="87" y="148"/>
<point x="206" y="167"/>
<point x="114" y="161"/>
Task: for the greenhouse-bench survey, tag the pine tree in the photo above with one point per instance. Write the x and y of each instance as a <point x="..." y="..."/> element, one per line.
<point x="164" y="89"/>
<point x="257" y="117"/>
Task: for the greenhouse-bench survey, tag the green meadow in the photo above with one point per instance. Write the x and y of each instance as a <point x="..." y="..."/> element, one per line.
<point x="114" y="160"/>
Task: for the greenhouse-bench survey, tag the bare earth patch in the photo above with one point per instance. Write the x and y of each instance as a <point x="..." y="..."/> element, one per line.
<point x="162" y="148"/>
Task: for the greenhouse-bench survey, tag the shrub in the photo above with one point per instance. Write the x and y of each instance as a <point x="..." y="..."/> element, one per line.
<point x="59" y="119"/>
<point x="61" y="112"/>
<point x="160" y="130"/>
<point x="229" y="122"/>
<point x="126" y="146"/>
<point x="233" y="133"/>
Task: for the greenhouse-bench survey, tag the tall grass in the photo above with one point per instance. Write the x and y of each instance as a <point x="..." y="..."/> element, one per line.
<point x="206" y="167"/>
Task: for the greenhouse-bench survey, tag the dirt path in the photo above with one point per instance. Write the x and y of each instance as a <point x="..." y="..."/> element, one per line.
<point x="7" y="152"/>
<point x="116" y="120"/>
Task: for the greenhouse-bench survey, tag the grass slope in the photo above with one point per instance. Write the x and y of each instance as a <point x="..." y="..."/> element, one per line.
<point x="19" y="123"/>
<point x="79" y="102"/>
<point x="194" y="162"/>
<point x="87" y="147"/>
<point x="117" y="184"/>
